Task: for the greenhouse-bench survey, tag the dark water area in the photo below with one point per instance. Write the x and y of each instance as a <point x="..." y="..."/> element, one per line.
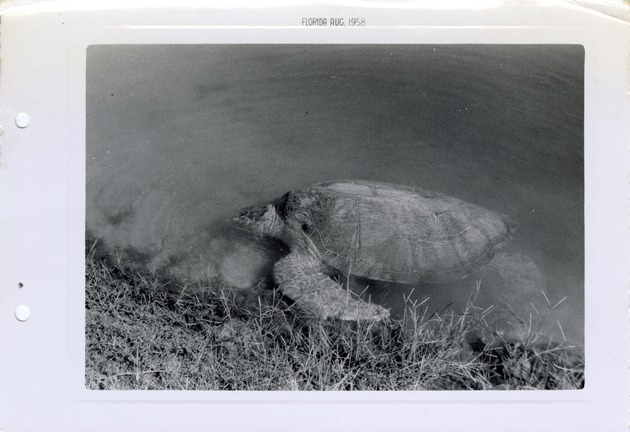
<point x="180" y="137"/>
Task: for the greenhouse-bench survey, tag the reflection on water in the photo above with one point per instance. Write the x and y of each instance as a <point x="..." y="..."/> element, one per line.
<point x="180" y="137"/>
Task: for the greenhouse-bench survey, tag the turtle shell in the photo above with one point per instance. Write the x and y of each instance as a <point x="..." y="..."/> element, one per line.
<point x="396" y="233"/>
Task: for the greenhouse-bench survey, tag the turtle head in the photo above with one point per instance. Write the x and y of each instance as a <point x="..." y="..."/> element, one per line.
<point x="260" y="219"/>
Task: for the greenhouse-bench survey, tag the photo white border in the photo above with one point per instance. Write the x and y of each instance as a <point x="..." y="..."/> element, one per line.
<point x="42" y="216"/>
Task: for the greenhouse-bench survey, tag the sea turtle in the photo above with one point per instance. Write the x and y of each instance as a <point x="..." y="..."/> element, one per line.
<point x="376" y="231"/>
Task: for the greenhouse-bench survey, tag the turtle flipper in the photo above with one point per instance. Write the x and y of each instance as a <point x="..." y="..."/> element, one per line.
<point x="300" y="278"/>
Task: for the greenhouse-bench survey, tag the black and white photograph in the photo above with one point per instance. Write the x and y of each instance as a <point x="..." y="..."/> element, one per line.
<point x="335" y="217"/>
<point x="338" y="216"/>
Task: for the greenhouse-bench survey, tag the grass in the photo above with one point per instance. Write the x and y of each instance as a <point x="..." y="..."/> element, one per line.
<point x="147" y="333"/>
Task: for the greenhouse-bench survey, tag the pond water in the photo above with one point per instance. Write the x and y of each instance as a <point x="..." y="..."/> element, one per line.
<point x="180" y="137"/>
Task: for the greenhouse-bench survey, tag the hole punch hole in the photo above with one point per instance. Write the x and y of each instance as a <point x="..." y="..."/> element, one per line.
<point x="20" y="285"/>
<point x="22" y="313"/>
<point x="22" y="120"/>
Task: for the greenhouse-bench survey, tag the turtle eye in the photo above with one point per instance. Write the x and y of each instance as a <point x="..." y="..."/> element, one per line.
<point x="250" y="214"/>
